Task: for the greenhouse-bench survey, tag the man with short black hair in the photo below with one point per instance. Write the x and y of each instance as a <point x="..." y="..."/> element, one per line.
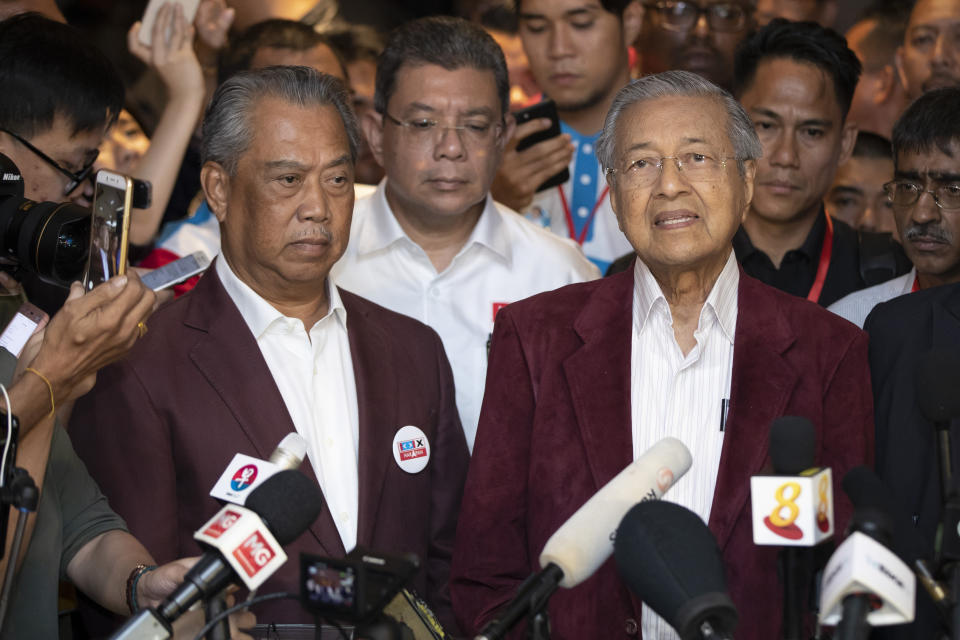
<point x="430" y="242"/>
<point x="856" y="195"/>
<point x="925" y="200"/>
<point x="578" y="53"/>
<point x="929" y="57"/>
<point x="796" y="80"/>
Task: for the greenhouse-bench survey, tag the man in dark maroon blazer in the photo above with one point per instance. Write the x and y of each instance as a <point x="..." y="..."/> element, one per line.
<point x="265" y="346"/>
<point x="584" y="379"/>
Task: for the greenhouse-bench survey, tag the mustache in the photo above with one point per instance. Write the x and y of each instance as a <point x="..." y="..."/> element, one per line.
<point x="318" y="231"/>
<point x="931" y="230"/>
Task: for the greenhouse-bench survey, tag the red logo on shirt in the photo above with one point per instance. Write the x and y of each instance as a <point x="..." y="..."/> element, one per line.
<point x="253" y="554"/>
<point x="226" y="520"/>
<point x="496" y="308"/>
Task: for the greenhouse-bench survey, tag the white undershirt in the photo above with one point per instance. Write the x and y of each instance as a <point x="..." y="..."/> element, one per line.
<point x="681" y="396"/>
<point x="314" y="374"/>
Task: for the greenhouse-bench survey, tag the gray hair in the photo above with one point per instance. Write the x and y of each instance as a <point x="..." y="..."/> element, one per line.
<point x="226" y="126"/>
<point x="740" y="131"/>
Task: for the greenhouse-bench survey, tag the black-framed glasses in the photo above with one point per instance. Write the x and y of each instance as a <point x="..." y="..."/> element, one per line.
<point x="695" y="167"/>
<point x="904" y="193"/>
<point x="75" y="179"/>
<point x="472" y="133"/>
<point x="677" y="15"/>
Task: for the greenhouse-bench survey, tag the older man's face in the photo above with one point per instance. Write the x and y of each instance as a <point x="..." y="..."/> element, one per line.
<point x="694" y="35"/>
<point x="931" y="234"/>
<point x="930" y="55"/>
<point x="678" y="217"/>
<point x="285" y="215"/>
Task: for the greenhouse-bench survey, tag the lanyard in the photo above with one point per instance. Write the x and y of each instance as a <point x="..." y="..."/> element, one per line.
<point x="916" y="284"/>
<point x="571" y="229"/>
<point x="826" y="252"/>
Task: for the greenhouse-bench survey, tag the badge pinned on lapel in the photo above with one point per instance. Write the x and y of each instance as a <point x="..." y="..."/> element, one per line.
<point x="411" y="449"/>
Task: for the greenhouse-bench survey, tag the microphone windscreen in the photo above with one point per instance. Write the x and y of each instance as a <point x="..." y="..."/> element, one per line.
<point x="288" y="502"/>
<point x="938" y="380"/>
<point x="866" y="491"/>
<point x="793" y="443"/>
<point x="668" y="558"/>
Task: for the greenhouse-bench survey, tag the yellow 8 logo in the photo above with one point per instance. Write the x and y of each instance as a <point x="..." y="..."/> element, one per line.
<point x="786" y="503"/>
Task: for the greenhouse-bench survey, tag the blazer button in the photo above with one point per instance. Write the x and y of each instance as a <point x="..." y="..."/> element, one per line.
<point x="631" y="627"/>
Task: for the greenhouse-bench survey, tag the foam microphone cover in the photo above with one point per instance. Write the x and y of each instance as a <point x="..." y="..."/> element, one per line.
<point x="668" y="558"/>
<point x="793" y="443"/>
<point x="288" y="502"/>
<point x="938" y="381"/>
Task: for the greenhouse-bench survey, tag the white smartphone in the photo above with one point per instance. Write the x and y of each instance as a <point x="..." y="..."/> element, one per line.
<point x="176" y="271"/>
<point x="109" y="228"/>
<point x="150" y="16"/>
<point x="27" y="320"/>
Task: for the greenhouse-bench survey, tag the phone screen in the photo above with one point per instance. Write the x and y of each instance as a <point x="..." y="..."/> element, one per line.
<point x="108" y="229"/>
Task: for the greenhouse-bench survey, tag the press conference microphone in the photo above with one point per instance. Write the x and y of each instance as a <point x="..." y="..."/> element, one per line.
<point x="290" y="452"/>
<point x="865" y="584"/>
<point x="793" y="510"/>
<point x="286" y="503"/>
<point x="938" y="378"/>
<point x="668" y="558"/>
<point x="582" y="543"/>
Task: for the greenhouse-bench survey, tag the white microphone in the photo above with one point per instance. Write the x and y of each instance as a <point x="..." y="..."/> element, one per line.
<point x="245" y="473"/>
<point x="585" y="541"/>
<point x="863" y="566"/>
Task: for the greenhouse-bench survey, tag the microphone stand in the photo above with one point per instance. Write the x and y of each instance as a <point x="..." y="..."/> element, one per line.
<point x="20" y="492"/>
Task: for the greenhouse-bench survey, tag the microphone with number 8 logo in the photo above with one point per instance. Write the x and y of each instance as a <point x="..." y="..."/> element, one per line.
<point x="245" y="546"/>
<point x="793" y="509"/>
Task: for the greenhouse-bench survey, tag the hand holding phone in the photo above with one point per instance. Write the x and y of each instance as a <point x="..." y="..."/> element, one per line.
<point x="28" y="320"/>
<point x="109" y="228"/>
<point x="536" y="157"/>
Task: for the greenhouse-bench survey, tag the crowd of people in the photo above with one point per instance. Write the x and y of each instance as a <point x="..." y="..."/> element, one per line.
<point x="760" y="218"/>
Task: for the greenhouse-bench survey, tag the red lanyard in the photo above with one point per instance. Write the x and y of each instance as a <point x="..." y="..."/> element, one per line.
<point x="571" y="229"/>
<point x="916" y="284"/>
<point x="826" y="252"/>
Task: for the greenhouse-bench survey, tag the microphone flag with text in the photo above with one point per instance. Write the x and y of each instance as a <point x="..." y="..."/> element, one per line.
<point x="584" y="542"/>
<point x="246" y="473"/>
<point x="668" y="558"/>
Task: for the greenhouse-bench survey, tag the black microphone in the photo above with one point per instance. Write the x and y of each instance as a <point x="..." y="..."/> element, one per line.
<point x="937" y="384"/>
<point x="792" y="450"/>
<point x="287" y="504"/>
<point x="878" y="525"/>
<point x="668" y="558"/>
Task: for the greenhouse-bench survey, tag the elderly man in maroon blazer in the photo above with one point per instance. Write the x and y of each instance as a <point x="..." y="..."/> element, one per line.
<point x="264" y="346"/>
<point x="584" y="379"/>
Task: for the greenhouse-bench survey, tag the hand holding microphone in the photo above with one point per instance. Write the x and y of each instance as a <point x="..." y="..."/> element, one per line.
<point x="583" y="543"/>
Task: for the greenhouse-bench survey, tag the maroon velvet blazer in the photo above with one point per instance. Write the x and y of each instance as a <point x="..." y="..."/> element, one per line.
<point x="160" y="427"/>
<point x="556" y="426"/>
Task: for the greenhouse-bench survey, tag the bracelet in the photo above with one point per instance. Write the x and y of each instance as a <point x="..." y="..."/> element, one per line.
<point x="49" y="388"/>
<point x="132" y="580"/>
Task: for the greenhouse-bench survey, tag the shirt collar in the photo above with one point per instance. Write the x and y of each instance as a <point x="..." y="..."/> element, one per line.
<point x="810" y="248"/>
<point x="721" y="301"/>
<point x="380" y="228"/>
<point x="260" y="314"/>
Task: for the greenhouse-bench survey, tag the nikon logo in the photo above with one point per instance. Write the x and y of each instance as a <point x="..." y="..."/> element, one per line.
<point x="7" y="177"/>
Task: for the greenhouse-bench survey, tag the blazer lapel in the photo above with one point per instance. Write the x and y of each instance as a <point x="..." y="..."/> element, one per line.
<point x="599" y="377"/>
<point x="761" y="387"/>
<point x="230" y="359"/>
<point x="377" y="394"/>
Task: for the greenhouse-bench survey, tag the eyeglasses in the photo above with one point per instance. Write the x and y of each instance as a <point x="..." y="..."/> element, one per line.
<point x="695" y="167"/>
<point x="74" y="178"/>
<point x="676" y="15"/>
<point x="474" y="133"/>
<point x="904" y="194"/>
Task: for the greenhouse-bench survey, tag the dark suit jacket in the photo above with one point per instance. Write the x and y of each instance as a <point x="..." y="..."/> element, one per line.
<point x="161" y="426"/>
<point x="901" y="332"/>
<point x="556" y="426"/>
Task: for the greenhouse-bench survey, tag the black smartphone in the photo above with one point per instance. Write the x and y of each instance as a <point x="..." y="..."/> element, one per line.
<point x="544" y="109"/>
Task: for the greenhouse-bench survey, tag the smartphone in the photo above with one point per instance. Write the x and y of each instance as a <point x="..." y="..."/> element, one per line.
<point x="545" y="109"/>
<point x="109" y="227"/>
<point x="150" y="16"/>
<point x="176" y="271"/>
<point x="25" y="322"/>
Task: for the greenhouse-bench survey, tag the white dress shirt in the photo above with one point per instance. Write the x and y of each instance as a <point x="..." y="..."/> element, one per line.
<point x="856" y="306"/>
<point x="505" y="259"/>
<point x="314" y="373"/>
<point x="682" y="396"/>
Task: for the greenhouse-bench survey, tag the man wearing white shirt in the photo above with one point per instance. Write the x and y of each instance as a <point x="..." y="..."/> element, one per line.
<point x="925" y="192"/>
<point x="266" y="345"/>
<point x="586" y="378"/>
<point x="430" y="242"/>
